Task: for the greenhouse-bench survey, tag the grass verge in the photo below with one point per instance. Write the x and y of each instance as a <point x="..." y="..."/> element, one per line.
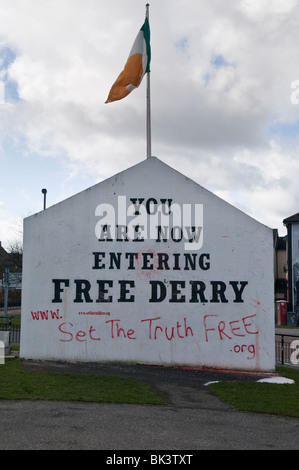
<point x="18" y="384"/>
<point x="14" y="319"/>
<point x="278" y="399"/>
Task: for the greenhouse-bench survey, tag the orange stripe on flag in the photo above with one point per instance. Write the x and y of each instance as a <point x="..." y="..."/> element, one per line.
<point x="128" y="79"/>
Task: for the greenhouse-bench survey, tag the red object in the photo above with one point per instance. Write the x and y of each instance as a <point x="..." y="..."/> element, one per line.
<point x="282" y="312"/>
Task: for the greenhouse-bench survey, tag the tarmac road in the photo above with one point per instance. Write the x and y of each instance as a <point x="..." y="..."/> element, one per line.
<point x="192" y="418"/>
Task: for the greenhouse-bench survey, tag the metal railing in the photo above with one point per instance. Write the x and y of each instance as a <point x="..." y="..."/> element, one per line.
<point x="14" y="330"/>
<point x="287" y="349"/>
<point x="11" y="304"/>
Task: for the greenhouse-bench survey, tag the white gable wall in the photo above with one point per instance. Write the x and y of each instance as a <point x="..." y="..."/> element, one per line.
<point x="218" y="315"/>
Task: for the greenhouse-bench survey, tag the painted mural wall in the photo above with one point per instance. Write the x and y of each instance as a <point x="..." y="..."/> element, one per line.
<point x="148" y="267"/>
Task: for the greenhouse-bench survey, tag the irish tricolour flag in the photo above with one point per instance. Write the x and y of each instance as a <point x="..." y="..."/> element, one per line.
<point x="138" y="64"/>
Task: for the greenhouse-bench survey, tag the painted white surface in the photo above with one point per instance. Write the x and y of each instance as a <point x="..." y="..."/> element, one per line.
<point x="232" y="330"/>
<point x="277" y="380"/>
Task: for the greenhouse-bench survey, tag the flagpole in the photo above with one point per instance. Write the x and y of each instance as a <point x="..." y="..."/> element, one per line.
<point x="148" y="107"/>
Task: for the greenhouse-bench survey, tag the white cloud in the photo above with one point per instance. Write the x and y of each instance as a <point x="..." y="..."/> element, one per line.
<point x="11" y="227"/>
<point x="263" y="9"/>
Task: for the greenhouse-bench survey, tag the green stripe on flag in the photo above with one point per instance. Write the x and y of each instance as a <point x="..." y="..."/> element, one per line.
<point x="146" y="32"/>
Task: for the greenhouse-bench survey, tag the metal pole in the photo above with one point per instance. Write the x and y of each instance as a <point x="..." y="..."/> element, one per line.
<point x="44" y="191"/>
<point x="148" y="107"/>
<point x="6" y="286"/>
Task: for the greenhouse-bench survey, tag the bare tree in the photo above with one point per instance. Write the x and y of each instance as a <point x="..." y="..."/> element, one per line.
<point x="15" y="251"/>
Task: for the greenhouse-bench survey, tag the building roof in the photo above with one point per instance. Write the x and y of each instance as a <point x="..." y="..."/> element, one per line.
<point x="292" y="219"/>
<point x="4" y="256"/>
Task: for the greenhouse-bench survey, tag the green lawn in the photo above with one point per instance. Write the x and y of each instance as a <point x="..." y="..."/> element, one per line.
<point x="280" y="399"/>
<point x="15" y="319"/>
<point x="18" y="384"/>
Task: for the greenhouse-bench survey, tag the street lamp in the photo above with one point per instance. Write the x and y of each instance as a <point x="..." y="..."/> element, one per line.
<point x="44" y="191"/>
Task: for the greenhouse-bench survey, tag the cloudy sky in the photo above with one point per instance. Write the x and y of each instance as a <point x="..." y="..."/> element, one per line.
<point x="223" y="97"/>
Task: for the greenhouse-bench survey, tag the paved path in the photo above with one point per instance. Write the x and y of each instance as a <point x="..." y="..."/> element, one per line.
<point x="192" y="419"/>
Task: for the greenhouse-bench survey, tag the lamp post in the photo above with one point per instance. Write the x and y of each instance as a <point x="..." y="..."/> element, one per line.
<point x="44" y="191"/>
